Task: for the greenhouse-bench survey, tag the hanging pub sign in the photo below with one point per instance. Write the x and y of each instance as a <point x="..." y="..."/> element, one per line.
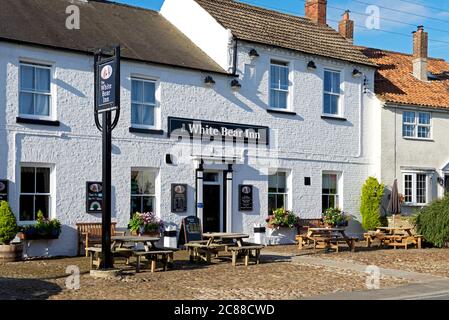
<point x="178" y="198"/>
<point x="190" y="230"/>
<point x="208" y="130"/>
<point x="94" y="197"/>
<point x="3" y="190"/>
<point x="106" y="85"/>
<point x="245" y="197"/>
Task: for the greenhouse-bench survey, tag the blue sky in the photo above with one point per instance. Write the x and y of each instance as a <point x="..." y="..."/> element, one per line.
<point x="398" y="18"/>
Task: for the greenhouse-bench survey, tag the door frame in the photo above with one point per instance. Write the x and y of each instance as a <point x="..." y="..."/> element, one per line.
<point x="215" y="183"/>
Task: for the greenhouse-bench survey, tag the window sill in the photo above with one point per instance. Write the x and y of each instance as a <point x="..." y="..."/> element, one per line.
<point x="280" y="111"/>
<point x="53" y="123"/>
<point x="419" y="139"/>
<point x="331" y="117"/>
<point x="146" y="131"/>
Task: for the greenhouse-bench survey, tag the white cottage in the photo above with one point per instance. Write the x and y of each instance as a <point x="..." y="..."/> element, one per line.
<point x="217" y="96"/>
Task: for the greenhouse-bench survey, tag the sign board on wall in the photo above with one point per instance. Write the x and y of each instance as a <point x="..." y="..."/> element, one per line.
<point x="178" y="198"/>
<point x="245" y="197"/>
<point x="207" y="130"/>
<point x="94" y="197"/>
<point x="106" y="85"/>
<point x="3" y="190"/>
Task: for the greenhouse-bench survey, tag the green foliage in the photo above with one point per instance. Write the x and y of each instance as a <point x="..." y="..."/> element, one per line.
<point x="43" y="226"/>
<point x="8" y="225"/>
<point x="432" y="222"/>
<point x="282" y="218"/>
<point x="335" y="217"/>
<point x="372" y="193"/>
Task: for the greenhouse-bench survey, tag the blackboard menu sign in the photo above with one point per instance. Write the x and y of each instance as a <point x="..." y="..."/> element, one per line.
<point x="245" y="197"/>
<point x="3" y="190"/>
<point x="94" y="197"/>
<point x="190" y="230"/>
<point x="178" y="198"/>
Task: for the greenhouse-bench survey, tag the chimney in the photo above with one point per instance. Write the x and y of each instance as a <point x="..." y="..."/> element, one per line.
<point x="316" y="11"/>
<point x="346" y="27"/>
<point x="420" y="53"/>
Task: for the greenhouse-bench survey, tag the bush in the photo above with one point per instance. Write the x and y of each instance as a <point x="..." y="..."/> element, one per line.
<point x="8" y="225"/>
<point x="372" y="193"/>
<point x="432" y="222"/>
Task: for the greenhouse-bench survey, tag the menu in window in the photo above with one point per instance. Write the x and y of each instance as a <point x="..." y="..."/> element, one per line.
<point x="3" y="190"/>
<point x="94" y="197"/>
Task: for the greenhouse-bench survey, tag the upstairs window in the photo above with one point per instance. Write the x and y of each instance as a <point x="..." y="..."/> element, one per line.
<point x="332" y="91"/>
<point x="279" y="85"/>
<point x="143" y="103"/>
<point x="416" y="125"/>
<point x="35" y="93"/>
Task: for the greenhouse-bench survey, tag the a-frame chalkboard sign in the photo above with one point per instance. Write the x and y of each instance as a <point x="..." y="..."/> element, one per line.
<point x="190" y="230"/>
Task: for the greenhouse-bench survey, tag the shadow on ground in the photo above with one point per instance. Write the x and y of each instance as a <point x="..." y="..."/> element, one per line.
<point x="27" y="289"/>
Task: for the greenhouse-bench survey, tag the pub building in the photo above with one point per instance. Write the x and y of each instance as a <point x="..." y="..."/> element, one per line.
<point x="228" y="111"/>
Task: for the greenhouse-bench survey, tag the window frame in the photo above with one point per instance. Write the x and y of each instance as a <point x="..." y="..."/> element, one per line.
<point x="50" y="194"/>
<point x="414" y="175"/>
<point x="51" y="94"/>
<point x="286" y="194"/>
<point x="416" y="125"/>
<point x="285" y="64"/>
<point x="340" y="112"/>
<point x="153" y="196"/>
<point x="339" y="194"/>
<point x="156" y="105"/>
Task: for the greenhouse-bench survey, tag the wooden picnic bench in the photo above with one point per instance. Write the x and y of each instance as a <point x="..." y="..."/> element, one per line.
<point x="394" y="237"/>
<point x="326" y="238"/>
<point x="89" y="234"/>
<point x="202" y="251"/>
<point x="165" y="257"/>
<point x="94" y="254"/>
<point x="246" y="251"/>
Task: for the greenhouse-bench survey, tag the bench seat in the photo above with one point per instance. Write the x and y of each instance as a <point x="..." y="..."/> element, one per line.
<point x="247" y="251"/>
<point x="165" y="255"/>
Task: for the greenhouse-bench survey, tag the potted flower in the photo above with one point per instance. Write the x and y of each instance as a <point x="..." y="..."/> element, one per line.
<point x="282" y="226"/>
<point x="9" y="252"/>
<point x="44" y="229"/>
<point x="146" y="223"/>
<point x="334" y="217"/>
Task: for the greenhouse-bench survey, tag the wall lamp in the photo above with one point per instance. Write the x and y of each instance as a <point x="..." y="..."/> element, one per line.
<point x="209" y="81"/>
<point x="356" y="73"/>
<point x="235" y="84"/>
<point x="311" y="65"/>
<point x="253" y="53"/>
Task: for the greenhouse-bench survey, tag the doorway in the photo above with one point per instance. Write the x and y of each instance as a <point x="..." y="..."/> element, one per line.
<point x="213" y="202"/>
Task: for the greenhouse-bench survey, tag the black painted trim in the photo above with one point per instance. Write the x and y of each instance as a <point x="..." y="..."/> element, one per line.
<point x="146" y="131"/>
<point x="333" y="118"/>
<point x="52" y="123"/>
<point x="291" y="113"/>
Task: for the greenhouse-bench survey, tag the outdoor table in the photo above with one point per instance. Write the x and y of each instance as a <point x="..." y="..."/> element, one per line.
<point x="395" y="230"/>
<point x="148" y="242"/>
<point x="399" y="236"/>
<point x="326" y="236"/>
<point x="212" y="236"/>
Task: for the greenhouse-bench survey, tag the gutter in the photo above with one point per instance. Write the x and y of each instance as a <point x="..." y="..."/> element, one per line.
<point x="234" y="66"/>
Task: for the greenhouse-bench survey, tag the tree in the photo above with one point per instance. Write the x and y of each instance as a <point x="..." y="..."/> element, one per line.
<point x="8" y="225"/>
<point x="372" y="193"/>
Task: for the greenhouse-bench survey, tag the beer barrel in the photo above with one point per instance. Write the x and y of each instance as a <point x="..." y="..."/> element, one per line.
<point x="11" y="252"/>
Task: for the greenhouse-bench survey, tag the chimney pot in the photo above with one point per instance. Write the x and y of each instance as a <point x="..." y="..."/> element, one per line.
<point x="346" y="27"/>
<point x="420" y="53"/>
<point x="316" y="11"/>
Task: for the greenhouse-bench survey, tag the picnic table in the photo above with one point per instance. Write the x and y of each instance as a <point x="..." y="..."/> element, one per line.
<point x="394" y="237"/>
<point x="326" y="238"/>
<point x="148" y="242"/>
<point x="225" y="237"/>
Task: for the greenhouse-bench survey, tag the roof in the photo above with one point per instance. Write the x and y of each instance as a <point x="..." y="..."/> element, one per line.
<point x="144" y="35"/>
<point x="274" y="28"/>
<point x="395" y="82"/>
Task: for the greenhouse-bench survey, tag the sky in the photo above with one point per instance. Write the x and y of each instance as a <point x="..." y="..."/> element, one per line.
<point x="397" y="20"/>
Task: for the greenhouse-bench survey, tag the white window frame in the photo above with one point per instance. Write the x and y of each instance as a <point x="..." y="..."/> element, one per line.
<point x="339" y="193"/>
<point x="340" y="95"/>
<point x="414" y="174"/>
<point x="51" y="195"/>
<point x="52" y="94"/>
<point x="281" y="64"/>
<point x="155" y="195"/>
<point x="156" y="105"/>
<point x="288" y="186"/>
<point x="416" y="125"/>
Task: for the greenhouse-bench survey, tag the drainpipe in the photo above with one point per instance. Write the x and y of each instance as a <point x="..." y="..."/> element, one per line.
<point x="234" y="66"/>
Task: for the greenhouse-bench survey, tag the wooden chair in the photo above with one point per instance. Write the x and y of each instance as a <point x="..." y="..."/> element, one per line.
<point x="89" y="234"/>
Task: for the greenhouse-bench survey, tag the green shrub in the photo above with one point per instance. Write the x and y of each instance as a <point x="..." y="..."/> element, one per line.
<point x="8" y="225"/>
<point x="432" y="222"/>
<point x="372" y="193"/>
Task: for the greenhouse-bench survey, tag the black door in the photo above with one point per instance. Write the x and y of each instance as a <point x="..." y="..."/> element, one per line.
<point x="211" y="210"/>
<point x="446" y="183"/>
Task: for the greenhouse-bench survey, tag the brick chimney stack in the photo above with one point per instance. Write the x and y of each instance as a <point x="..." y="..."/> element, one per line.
<point x="420" y="53"/>
<point x="346" y="27"/>
<point x="316" y="11"/>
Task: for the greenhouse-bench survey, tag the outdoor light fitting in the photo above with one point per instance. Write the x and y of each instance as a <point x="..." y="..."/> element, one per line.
<point x="311" y="65"/>
<point x="235" y="84"/>
<point x="209" y="81"/>
<point x="253" y="53"/>
<point x="356" y="73"/>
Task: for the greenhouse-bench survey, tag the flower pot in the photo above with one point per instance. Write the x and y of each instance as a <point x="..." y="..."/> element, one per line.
<point x="282" y="235"/>
<point x="11" y="252"/>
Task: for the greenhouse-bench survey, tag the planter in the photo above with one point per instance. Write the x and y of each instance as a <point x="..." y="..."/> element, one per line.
<point x="282" y="235"/>
<point x="37" y="236"/>
<point x="11" y="252"/>
<point x="146" y="234"/>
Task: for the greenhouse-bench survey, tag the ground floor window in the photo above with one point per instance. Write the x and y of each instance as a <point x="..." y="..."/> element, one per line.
<point x="143" y="191"/>
<point x="330" y="191"/>
<point x="415" y="188"/>
<point x="34" y="192"/>
<point x="277" y="191"/>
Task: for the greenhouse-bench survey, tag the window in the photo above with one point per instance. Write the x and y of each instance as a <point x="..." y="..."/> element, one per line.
<point x="277" y="191"/>
<point x="416" y="124"/>
<point x="143" y="103"/>
<point x="279" y="85"/>
<point x="35" y="94"/>
<point x="330" y="191"/>
<point x="331" y="92"/>
<point x="415" y="188"/>
<point x="34" y="192"/>
<point x="143" y="191"/>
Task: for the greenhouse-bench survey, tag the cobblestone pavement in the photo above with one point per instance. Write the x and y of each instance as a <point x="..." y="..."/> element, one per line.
<point x="277" y="277"/>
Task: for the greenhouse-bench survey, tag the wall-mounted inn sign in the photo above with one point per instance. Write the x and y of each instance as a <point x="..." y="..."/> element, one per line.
<point x="212" y="130"/>
<point x="3" y="190"/>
